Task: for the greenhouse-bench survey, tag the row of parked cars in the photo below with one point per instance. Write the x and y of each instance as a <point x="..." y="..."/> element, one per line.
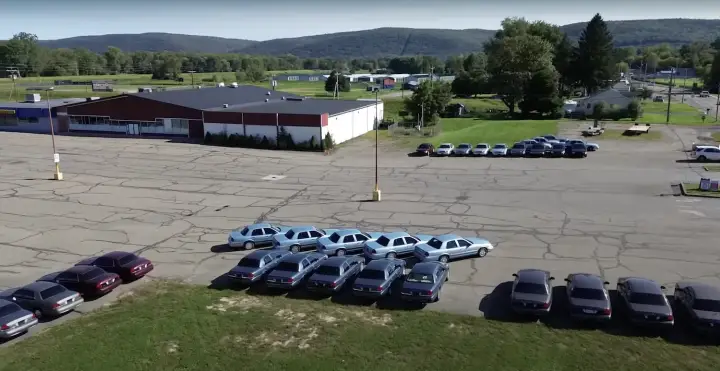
<point x="643" y="299"/>
<point x="547" y="145"/>
<point x="329" y="264"/>
<point x="61" y="292"/>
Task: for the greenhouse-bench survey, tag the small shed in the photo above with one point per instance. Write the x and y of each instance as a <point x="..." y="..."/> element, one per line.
<point x="388" y="83"/>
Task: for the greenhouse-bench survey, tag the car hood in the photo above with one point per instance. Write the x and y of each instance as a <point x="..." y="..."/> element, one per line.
<point x="367" y="282"/>
<point x="479" y="241"/>
<point x="237" y="236"/>
<point x="463" y="149"/>
<point x="536" y="298"/>
<point x="416" y="286"/>
<point x="283" y="274"/>
<point x="238" y="270"/>
<point x="707" y="316"/>
<point x="323" y="278"/>
<point x="655" y="309"/>
<point x="444" y="149"/>
<point x="589" y="303"/>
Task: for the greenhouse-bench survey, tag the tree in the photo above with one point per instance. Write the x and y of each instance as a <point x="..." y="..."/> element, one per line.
<point x="541" y="93"/>
<point x="622" y="67"/>
<point x="562" y="60"/>
<point x="712" y="80"/>
<point x="513" y="61"/>
<point x="429" y="100"/>
<point x="115" y="60"/>
<point x="343" y="83"/>
<point x="716" y="44"/>
<point x="593" y="57"/>
<point x="652" y="60"/>
<point x="467" y="84"/>
<point x="634" y="109"/>
<point x="22" y="52"/>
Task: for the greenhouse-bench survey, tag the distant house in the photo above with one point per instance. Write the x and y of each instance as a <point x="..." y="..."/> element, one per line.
<point x="299" y="78"/>
<point x="387" y="83"/>
<point x="367" y="78"/>
<point x="611" y="97"/>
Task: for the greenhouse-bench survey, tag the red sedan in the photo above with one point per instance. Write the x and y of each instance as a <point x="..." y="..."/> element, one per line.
<point x="127" y="265"/>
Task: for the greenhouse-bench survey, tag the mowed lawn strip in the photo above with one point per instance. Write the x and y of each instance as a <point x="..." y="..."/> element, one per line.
<point x="167" y="326"/>
<point x="693" y="189"/>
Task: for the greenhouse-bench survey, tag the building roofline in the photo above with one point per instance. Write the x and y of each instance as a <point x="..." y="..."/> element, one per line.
<point x="350" y="110"/>
<point x="103" y="99"/>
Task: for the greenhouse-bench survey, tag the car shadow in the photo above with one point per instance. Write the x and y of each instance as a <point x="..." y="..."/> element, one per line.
<point x="223" y="248"/>
<point x="495" y="306"/>
<point x="689" y="161"/>
<point x="417" y="154"/>
<point x="222" y="283"/>
<point x="393" y="300"/>
<point x="261" y="290"/>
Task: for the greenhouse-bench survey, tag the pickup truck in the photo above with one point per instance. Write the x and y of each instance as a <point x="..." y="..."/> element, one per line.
<point x="593" y="131"/>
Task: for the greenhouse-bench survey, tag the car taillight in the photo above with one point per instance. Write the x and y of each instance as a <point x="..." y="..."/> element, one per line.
<point x="4" y="327"/>
<point x="99" y="285"/>
<point x="606" y="311"/>
<point x="670" y="317"/>
<point x="290" y="280"/>
<point x="546" y="305"/>
<point x="250" y="275"/>
<point x="56" y="305"/>
<point x="379" y="288"/>
<point x="33" y="315"/>
<point x="333" y="284"/>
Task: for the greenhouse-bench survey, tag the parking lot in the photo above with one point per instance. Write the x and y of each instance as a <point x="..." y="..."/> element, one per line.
<point x="174" y="203"/>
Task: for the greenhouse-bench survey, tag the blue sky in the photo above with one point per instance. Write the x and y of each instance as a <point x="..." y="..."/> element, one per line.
<point x="270" y="19"/>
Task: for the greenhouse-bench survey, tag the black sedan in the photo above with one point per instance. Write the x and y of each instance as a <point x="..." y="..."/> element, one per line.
<point x="425" y="149"/>
<point x="377" y="278"/>
<point x="702" y="302"/>
<point x="532" y="292"/>
<point x="558" y="150"/>
<point x="518" y="150"/>
<point x="576" y="150"/>
<point x="424" y="282"/>
<point x="125" y="264"/>
<point x="645" y="302"/>
<point x="536" y="150"/>
<point x="89" y="281"/>
<point x="253" y="267"/>
<point x="332" y="274"/>
<point x="588" y="298"/>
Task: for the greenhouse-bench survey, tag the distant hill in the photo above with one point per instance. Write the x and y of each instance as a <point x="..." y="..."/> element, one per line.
<point x="382" y="42"/>
<point x="152" y="42"/>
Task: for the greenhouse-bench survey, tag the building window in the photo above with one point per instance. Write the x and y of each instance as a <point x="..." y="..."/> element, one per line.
<point x="314" y="78"/>
<point x="179" y="123"/>
<point x="293" y="78"/>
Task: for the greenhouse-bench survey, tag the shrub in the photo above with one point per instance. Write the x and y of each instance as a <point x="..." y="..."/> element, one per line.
<point x="312" y="142"/>
<point x="328" y="143"/>
<point x="599" y="110"/>
<point x="634" y="109"/>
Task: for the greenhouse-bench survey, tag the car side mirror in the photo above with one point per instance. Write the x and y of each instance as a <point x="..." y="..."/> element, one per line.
<point x="663" y="288"/>
<point x="567" y="280"/>
<point x="514" y="274"/>
<point x="552" y="278"/>
<point x="606" y="283"/>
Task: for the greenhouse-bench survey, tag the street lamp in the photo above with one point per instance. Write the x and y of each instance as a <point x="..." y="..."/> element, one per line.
<point x="376" y="192"/>
<point x="56" y="157"/>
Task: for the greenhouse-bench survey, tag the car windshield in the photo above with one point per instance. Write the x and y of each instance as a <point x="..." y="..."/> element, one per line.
<point x="589" y="294"/>
<point x="334" y="238"/>
<point x="52" y="291"/>
<point x="244" y="231"/>
<point x="127" y="259"/>
<point x="92" y="274"/>
<point x="519" y="146"/>
<point x="419" y="278"/>
<point x="327" y="270"/>
<point x="372" y="274"/>
<point x="435" y="243"/>
<point x="288" y="267"/>
<point x="8" y="309"/>
<point x="383" y="241"/>
<point x="499" y="146"/>
<point x="290" y="234"/>
<point x="249" y="263"/>
<point x="530" y="288"/>
<point x="647" y="299"/>
<point x="445" y="146"/>
<point x="707" y="305"/>
<point x="424" y="145"/>
<point x="481" y="146"/>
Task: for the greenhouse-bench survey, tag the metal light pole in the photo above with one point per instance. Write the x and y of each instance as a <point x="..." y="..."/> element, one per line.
<point x="717" y="105"/>
<point x="56" y="157"/>
<point x="672" y="73"/>
<point x="376" y="192"/>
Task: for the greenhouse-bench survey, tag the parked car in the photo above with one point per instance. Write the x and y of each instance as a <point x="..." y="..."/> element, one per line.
<point x="445" y="149"/>
<point x="558" y="150"/>
<point x="706" y="154"/>
<point x="658" y="98"/>
<point x="592" y="147"/>
<point x="425" y="149"/>
<point x="576" y="150"/>
<point x="499" y="150"/>
<point x="645" y="301"/>
<point x="292" y="270"/>
<point x="588" y="298"/>
<point x="532" y="292"/>
<point x="464" y="149"/>
<point x="88" y="280"/>
<point x="44" y="299"/>
<point x="333" y="273"/>
<point x="704" y="94"/>
<point x="702" y="303"/>
<point x="551" y="138"/>
<point x="544" y="142"/>
<point x="254" y="266"/>
<point x="125" y="264"/>
<point x="424" y="282"/>
<point x="299" y="238"/>
<point x="445" y="247"/>
<point x="254" y="235"/>
<point x="14" y="320"/>
<point x="481" y="149"/>
<point x="377" y="278"/>
<point x="537" y="150"/>
<point x="392" y="245"/>
<point x="345" y="241"/>
<point x="517" y="150"/>
<point x="529" y="142"/>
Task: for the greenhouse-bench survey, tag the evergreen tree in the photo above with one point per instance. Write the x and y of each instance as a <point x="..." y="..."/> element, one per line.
<point x="343" y="83"/>
<point x="713" y="79"/>
<point x="593" y="57"/>
<point x="562" y="60"/>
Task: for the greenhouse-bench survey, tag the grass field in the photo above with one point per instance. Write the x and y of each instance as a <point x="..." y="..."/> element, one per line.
<point x="683" y="83"/>
<point x="716" y="136"/>
<point x="680" y="114"/>
<point x="616" y="134"/>
<point x="178" y="327"/>
<point x="693" y="189"/>
<point x="712" y="168"/>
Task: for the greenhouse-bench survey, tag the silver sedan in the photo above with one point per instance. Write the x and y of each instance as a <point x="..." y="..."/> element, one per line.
<point x="345" y="241"/>
<point x="449" y="246"/>
<point x="392" y="245"/>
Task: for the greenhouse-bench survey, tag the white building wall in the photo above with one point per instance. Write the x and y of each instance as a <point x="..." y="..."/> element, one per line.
<point x="353" y="124"/>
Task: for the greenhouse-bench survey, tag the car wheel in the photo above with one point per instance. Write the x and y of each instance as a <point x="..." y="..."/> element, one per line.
<point x="444" y="259"/>
<point x="391" y="255"/>
<point x="482" y="252"/>
<point x="248" y="245"/>
<point x="37" y="313"/>
<point x="340" y="252"/>
<point x="437" y="298"/>
<point x="702" y="158"/>
<point x="294" y="249"/>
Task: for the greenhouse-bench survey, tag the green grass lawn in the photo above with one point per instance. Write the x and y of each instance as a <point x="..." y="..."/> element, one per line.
<point x="680" y="114"/>
<point x="716" y="136"/>
<point x="712" y="168"/>
<point x="180" y="327"/>
<point x="679" y="81"/>
<point x="617" y="134"/>
<point x="693" y="189"/>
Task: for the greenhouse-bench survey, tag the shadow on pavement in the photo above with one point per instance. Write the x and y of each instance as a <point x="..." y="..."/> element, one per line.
<point x="223" y="248"/>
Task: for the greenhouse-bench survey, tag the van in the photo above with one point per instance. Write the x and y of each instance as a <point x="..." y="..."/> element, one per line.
<point x="659" y="98"/>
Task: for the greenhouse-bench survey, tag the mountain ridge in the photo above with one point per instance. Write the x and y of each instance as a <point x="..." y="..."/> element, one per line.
<point x="386" y="41"/>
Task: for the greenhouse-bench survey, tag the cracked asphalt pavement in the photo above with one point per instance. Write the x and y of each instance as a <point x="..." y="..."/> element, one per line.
<point x="174" y="203"/>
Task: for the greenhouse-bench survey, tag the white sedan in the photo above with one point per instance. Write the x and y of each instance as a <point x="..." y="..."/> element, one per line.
<point x="445" y="149"/>
<point x="499" y="150"/>
<point x="481" y="149"/>
<point x="706" y="154"/>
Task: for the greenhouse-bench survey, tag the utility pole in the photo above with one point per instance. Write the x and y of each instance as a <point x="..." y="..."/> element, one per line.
<point x="192" y="77"/>
<point x="376" y="191"/>
<point x="422" y="114"/>
<point x="432" y="74"/>
<point x="672" y="73"/>
<point x="337" y="90"/>
<point x="684" y="86"/>
<point x="717" y="105"/>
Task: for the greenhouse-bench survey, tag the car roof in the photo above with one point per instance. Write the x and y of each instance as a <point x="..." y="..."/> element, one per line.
<point x="294" y="258"/>
<point x="334" y="261"/>
<point x="80" y="269"/>
<point x="379" y="265"/>
<point x="303" y="228"/>
<point x="259" y="225"/>
<point x="533" y="275"/>
<point x="392" y="235"/>
<point x="426" y="267"/>
<point x="588" y="281"/>
<point x="39" y="285"/>
<point x="343" y="232"/>
<point x="705" y="291"/>
<point x="259" y="254"/>
<point x="447" y="237"/>
<point x="465" y="144"/>
<point x="117" y="254"/>
<point x="643" y="285"/>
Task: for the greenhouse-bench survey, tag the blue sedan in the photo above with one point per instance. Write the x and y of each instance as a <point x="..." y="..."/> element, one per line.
<point x="253" y="235"/>
<point x="298" y="239"/>
<point x="293" y="269"/>
<point x="345" y="241"/>
<point x="332" y="274"/>
<point x="424" y="282"/>
<point x="449" y="246"/>
<point x="253" y="267"/>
